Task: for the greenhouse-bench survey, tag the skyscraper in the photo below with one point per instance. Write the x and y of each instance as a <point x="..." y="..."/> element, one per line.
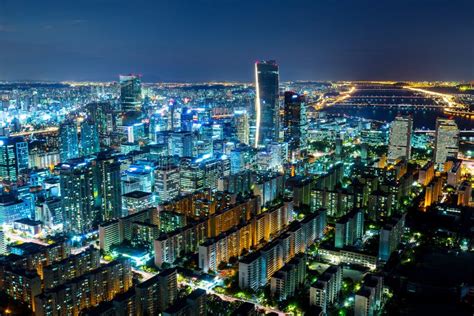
<point x="102" y="115"/>
<point x="109" y="185"/>
<point x="79" y="192"/>
<point x="446" y="141"/>
<point x="167" y="182"/>
<point x="13" y="157"/>
<point x="89" y="138"/>
<point x="241" y="121"/>
<point x="130" y="93"/>
<point x="68" y="141"/>
<point x="266" y="101"/>
<point x="295" y="123"/>
<point x="400" y="138"/>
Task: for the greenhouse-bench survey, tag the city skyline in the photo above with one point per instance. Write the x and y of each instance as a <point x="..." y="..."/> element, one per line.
<point x="236" y="157"/>
<point x="175" y="41"/>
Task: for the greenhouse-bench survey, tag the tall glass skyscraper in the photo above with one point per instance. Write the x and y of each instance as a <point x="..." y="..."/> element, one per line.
<point x="446" y="141"/>
<point x="109" y="185"/>
<point x="266" y="102"/>
<point x="130" y="93"/>
<point x="295" y="124"/>
<point x="68" y="141"/>
<point x="13" y="158"/>
<point x="89" y="138"/>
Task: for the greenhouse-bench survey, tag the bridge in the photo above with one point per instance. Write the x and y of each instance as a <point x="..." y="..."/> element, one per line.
<point x="432" y="131"/>
<point x="395" y="106"/>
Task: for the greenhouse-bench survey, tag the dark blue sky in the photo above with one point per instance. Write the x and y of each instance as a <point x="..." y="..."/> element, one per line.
<point x="193" y="40"/>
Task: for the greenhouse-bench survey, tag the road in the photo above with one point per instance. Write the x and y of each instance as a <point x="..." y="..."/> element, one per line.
<point x="15" y="237"/>
<point x="229" y="298"/>
<point x="327" y="102"/>
<point x="452" y="106"/>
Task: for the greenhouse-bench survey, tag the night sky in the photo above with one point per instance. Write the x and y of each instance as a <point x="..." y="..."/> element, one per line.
<point x="197" y="40"/>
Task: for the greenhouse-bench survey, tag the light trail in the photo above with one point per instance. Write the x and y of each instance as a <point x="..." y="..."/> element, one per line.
<point x="229" y="298"/>
<point x="325" y="103"/>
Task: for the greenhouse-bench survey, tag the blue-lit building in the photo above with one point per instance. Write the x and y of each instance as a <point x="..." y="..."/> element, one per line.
<point x="143" y="174"/>
<point x="130" y="93"/>
<point x="89" y="138"/>
<point x="68" y="141"/>
<point x="13" y="158"/>
<point x="13" y="209"/>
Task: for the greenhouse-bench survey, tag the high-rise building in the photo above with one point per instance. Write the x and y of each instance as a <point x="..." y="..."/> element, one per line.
<point x="284" y="282"/>
<point x="446" y="141"/>
<point x="390" y="236"/>
<point x="68" y="141"/>
<point x="109" y="185"/>
<point x="167" y="182"/>
<point x="368" y="299"/>
<point x="399" y="146"/>
<point x="266" y="102"/>
<point x="349" y="228"/>
<point x="14" y="158"/>
<point x="89" y="138"/>
<point x="130" y="93"/>
<point x="295" y="124"/>
<point x="3" y="246"/>
<point x="326" y="289"/>
<point x="80" y="195"/>
<point x="101" y="114"/>
<point x="241" y="121"/>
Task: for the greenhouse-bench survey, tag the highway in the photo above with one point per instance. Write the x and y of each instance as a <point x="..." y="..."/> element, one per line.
<point x="452" y="106"/>
<point x="328" y="102"/>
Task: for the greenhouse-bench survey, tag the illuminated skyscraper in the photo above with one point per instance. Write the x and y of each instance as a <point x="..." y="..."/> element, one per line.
<point x="241" y="121"/>
<point x="68" y="141"/>
<point x="109" y="185"/>
<point x="89" y="138"/>
<point x="13" y="157"/>
<point x="400" y="138"/>
<point x="266" y="102"/>
<point x="80" y="195"/>
<point x="295" y="123"/>
<point x="446" y="141"/>
<point x="167" y="182"/>
<point x="130" y="93"/>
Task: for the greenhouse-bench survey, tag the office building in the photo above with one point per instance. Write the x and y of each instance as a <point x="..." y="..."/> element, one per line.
<point x="13" y="209"/>
<point x="136" y="201"/>
<point x="167" y="182"/>
<point x="89" y="139"/>
<point x="266" y="102"/>
<point x="399" y="146"/>
<point x="14" y="159"/>
<point x="109" y="186"/>
<point x="241" y="122"/>
<point x="446" y="142"/>
<point x="68" y="141"/>
<point x="295" y="124"/>
<point x="130" y="93"/>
